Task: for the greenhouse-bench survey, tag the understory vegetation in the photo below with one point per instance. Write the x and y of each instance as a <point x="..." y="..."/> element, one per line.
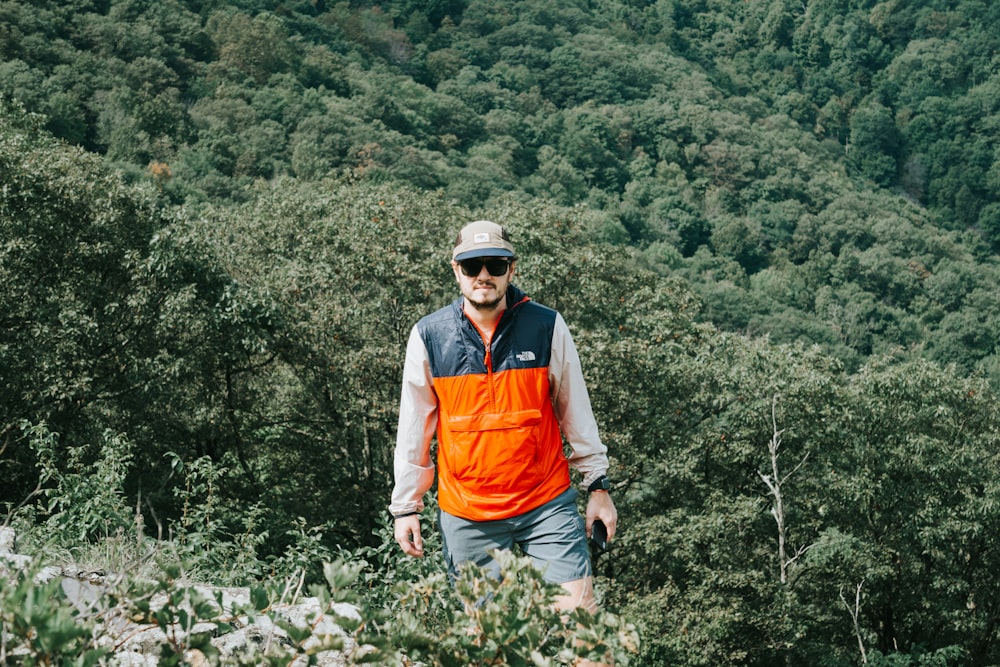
<point x="400" y="610"/>
<point x="771" y="226"/>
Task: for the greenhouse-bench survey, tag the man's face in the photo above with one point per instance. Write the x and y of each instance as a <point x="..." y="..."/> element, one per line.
<point x="483" y="289"/>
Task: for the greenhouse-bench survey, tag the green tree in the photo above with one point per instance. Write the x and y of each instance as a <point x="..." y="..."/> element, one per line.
<point x="255" y="48"/>
<point x="874" y="143"/>
<point x="914" y="495"/>
<point x="114" y="319"/>
<point x="76" y="308"/>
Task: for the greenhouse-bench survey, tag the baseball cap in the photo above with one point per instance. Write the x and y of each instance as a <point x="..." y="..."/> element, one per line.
<point x="482" y="238"/>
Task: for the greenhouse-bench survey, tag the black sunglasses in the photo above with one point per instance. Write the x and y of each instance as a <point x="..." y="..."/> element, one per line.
<point x="497" y="266"/>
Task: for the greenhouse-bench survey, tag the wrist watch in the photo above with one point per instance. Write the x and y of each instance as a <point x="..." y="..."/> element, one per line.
<point x="602" y="483"/>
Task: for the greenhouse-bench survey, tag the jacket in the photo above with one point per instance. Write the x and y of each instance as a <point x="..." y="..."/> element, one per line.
<point x="500" y="414"/>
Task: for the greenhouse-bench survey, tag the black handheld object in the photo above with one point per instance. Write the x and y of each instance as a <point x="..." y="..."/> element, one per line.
<point x="599" y="537"/>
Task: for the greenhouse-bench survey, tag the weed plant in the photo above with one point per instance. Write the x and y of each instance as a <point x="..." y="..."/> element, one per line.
<point x="406" y="611"/>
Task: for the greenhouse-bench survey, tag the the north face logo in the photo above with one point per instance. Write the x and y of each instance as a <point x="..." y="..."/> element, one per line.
<point x="527" y="355"/>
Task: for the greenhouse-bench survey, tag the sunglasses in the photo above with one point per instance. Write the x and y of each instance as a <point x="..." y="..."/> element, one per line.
<point x="497" y="266"/>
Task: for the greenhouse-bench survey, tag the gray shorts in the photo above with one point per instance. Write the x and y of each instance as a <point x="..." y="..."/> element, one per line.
<point x="553" y="536"/>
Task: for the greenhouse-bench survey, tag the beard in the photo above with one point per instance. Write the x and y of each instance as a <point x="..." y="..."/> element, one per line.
<point x="490" y="304"/>
<point x="486" y="304"/>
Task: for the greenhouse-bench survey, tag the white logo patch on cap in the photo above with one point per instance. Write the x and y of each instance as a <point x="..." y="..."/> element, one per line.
<point x="482" y="237"/>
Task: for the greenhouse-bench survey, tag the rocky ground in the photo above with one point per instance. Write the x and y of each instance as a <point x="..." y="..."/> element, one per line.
<point x="135" y="634"/>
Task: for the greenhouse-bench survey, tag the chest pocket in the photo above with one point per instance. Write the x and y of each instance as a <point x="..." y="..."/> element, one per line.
<point x="496" y="451"/>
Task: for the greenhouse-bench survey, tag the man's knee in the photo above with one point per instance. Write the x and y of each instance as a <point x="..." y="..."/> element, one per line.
<point x="579" y="593"/>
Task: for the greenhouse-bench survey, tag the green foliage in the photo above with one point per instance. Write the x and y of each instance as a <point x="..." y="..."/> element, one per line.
<point x="874" y="143"/>
<point x="949" y="655"/>
<point x="503" y="621"/>
<point x="87" y="501"/>
<point x="821" y="182"/>
<point x="388" y="570"/>
<point x="204" y="537"/>
<point x="911" y="483"/>
<point x="508" y="621"/>
<point x="692" y="124"/>
<point x="39" y="627"/>
<point x="178" y="610"/>
<point x="307" y="549"/>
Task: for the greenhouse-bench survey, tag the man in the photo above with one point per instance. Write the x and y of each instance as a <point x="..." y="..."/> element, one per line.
<point x="497" y="376"/>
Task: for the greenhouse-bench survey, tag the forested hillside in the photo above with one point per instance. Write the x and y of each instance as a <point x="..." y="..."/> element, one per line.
<point x="821" y="171"/>
<point x="772" y="226"/>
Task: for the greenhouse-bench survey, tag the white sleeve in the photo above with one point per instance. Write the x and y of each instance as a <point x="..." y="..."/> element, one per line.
<point x="413" y="469"/>
<point x="572" y="406"/>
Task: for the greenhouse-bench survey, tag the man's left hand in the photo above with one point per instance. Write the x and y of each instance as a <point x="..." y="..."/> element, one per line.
<point x="600" y="506"/>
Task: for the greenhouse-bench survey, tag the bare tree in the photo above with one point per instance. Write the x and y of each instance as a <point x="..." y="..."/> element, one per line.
<point x="855" y="611"/>
<point x="774" y="481"/>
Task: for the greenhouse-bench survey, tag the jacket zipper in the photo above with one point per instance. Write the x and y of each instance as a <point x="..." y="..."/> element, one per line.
<point x="488" y="363"/>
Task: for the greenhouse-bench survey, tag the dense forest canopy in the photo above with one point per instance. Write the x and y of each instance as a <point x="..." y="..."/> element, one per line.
<point x="762" y="150"/>
<point x="772" y="226"/>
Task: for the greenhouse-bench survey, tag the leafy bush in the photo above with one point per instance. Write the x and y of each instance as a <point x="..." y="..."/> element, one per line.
<point x="510" y="620"/>
<point x="86" y="499"/>
<point x="38" y="626"/>
<point x="479" y="620"/>
<point x="408" y="607"/>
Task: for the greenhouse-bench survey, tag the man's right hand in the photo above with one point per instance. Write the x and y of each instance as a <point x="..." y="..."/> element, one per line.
<point x="407" y="534"/>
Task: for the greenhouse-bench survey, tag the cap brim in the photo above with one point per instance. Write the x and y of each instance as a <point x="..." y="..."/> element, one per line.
<point x="483" y="252"/>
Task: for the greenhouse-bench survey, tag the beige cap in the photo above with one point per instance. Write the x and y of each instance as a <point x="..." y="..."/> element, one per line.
<point x="482" y="238"/>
